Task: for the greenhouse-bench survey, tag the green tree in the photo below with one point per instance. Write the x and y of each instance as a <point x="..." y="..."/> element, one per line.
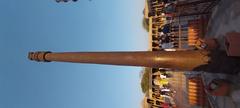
<point x="145" y="24"/>
<point x="145" y="79"/>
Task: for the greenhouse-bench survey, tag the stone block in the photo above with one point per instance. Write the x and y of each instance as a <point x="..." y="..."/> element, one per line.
<point x="232" y="44"/>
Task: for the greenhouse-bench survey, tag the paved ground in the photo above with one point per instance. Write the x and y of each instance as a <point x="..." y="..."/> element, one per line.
<point x="225" y="101"/>
<point x="225" y="18"/>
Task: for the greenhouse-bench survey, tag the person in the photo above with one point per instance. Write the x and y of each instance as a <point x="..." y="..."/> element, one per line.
<point x="160" y="82"/>
<point x="169" y="8"/>
<point x="162" y="76"/>
<point x="165" y="38"/>
<point x="167" y="45"/>
<point x="166" y="29"/>
<point x="169" y="100"/>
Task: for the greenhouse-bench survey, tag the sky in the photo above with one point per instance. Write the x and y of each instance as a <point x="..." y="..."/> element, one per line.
<point x="44" y="25"/>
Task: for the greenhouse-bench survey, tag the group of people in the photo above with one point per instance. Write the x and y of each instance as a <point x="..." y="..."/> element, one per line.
<point x="160" y="81"/>
<point x="167" y="35"/>
<point x="162" y="6"/>
<point x="161" y="86"/>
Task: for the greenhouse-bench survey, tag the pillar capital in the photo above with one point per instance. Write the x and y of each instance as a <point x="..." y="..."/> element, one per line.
<point x="38" y="56"/>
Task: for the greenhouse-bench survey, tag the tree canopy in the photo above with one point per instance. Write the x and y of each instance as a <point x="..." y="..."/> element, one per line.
<point x="145" y="24"/>
<point x="145" y="79"/>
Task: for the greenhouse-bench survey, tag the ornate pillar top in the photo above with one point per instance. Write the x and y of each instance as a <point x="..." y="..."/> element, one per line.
<point x="38" y="56"/>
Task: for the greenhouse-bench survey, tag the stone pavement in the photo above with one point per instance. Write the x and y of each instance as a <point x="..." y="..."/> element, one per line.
<point x="224" y="101"/>
<point x="225" y="18"/>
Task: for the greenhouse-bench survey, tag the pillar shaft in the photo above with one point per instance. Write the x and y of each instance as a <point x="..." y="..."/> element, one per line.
<point x="181" y="60"/>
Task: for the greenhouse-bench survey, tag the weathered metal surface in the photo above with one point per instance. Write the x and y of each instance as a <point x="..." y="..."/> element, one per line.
<point x="180" y="60"/>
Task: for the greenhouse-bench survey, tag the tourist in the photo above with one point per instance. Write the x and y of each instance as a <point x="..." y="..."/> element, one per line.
<point x="165" y="29"/>
<point x="169" y="8"/>
<point x="160" y="82"/>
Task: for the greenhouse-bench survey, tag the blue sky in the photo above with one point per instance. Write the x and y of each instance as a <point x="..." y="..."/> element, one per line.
<point x="99" y="25"/>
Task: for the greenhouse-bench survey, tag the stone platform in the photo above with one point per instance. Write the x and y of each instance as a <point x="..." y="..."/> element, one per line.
<point x="225" y="18"/>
